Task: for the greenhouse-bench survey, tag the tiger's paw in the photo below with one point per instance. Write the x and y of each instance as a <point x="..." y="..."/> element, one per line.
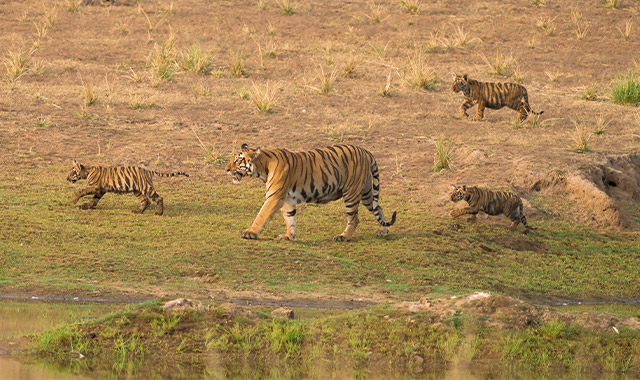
<point x="249" y="235"/>
<point x="285" y="237"/>
<point x="340" y="238"/>
<point x="75" y="199"/>
<point x="85" y="206"/>
<point x="160" y="212"/>
<point x="137" y="211"/>
<point x="455" y="213"/>
<point x="382" y="232"/>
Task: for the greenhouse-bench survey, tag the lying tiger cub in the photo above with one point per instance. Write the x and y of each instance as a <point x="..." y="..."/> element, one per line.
<point x="490" y="202"/>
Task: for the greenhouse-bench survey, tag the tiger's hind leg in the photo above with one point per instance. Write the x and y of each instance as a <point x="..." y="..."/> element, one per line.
<point x="289" y="215"/>
<point x="351" y="203"/>
<point x="480" y="111"/>
<point x="144" y="202"/>
<point x="158" y="201"/>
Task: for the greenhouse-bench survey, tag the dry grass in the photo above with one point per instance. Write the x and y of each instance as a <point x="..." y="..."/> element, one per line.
<point x="326" y="81"/>
<point x="262" y="5"/>
<point x="553" y="75"/>
<point x="626" y="33"/>
<point x="153" y="25"/>
<point x="161" y="63"/>
<point x="237" y="66"/>
<point x="444" y="41"/>
<point x="387" y="91"/>
<point x="420" y="75"/>
<point x="72" y="5"/>
<point x="17" y="64"/>
<point x="286" y="7"/>
<point x="580" y="31"/>
<point x="41" y="31"/>
<point x="50" y="16"/>
<point x="140" y="102"/>
<point x="412" y="6"/>
<point x="444" y="153"/>
<point x="351" y="65"/>
<point x="518" y="75"/>
<point x="601" y="125"/>
<point x="263" y="99"/>
<point x="590" y="92"/>
<point x="89" y="94"/>
<point x="501" y="65"/>
<point x="376" y="13"/>
<point x="547" y="25"/>
<point x="612" y="4"/>
<point x="531" y="42"/>
<point x="538" y="3"/>
<point x="196" y="60"/>
<point x="581" y="137"/>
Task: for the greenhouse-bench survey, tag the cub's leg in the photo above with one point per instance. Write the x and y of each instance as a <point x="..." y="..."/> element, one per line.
<point x="480" y="112"/>
<point x="270" y="206"/>
<point x="94" y="201"/>
<point x="144" y="202"/>
<point x="289" y="215"/>
<point x="465" y="210"/>
<point x="159" y="202"/>
<point x="464" y="107"/>
<point x="351" y="203"/>
<point x="83" y="192"/>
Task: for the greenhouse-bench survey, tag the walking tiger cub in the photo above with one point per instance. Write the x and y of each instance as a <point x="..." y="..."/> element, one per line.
<point x="316" y="176"/>
<point x="492" y="95"/>
<point x="490" y="202"/>
<point x="120" y="179"/>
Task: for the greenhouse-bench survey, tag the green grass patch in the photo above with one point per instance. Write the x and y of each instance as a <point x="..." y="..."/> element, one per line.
<point x="626" y="90"/>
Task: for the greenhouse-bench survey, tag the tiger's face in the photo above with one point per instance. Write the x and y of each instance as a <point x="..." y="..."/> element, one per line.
<point x="241" y="163"/>
<point x="460" y="83"/>
<point x="77" y="172"/>
<point x="459" y="193"/>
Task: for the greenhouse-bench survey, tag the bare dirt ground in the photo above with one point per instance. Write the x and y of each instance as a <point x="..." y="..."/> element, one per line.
<point x="135" y="121"/>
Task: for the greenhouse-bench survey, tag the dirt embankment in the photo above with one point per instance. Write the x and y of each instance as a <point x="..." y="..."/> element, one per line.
<point x="604" y="195"/>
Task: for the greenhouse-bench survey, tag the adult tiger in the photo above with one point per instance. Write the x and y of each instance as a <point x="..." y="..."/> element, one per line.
<point x="120" y="179"/>
<point x="491" y="202"/>
<point x="316" y="176"/>
<point x="492" y="95"/>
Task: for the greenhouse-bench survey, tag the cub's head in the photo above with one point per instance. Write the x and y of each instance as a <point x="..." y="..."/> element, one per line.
<point x="77" y="172"/>
<point x="460" y="83"/>
<point x="241" y="163"/>
<point x="459" y="193"/>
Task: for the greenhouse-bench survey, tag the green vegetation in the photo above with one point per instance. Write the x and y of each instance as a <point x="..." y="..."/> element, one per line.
<point x="381" y="339"/>
<point x="444" y="151"/>
<point x="626" y="90"/>
<point x="49" y="243"/>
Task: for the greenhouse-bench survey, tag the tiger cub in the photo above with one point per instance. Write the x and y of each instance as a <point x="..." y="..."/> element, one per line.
<point x="119" y="179"/>
<point x="490" y="202"/>
<point x="316" y="176"/>
<point x="492" y="95"/>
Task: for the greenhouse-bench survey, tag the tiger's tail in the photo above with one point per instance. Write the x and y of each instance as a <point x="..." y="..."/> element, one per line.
<point x="170" y="174"/>
<point x="375" y="206"/>
<point x="527" y="107"/>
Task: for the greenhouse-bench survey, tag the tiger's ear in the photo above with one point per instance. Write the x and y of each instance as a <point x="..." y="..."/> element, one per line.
<point x="464" y="77"/>
<point x="464" y="187"/>
<point x="453" y="76"/>
<point x="258" y="151"/>
<point x="244" y="146"/>
<point x="76" y="164"/>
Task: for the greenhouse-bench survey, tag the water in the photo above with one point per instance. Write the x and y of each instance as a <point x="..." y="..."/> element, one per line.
<point x="18" y="319"/>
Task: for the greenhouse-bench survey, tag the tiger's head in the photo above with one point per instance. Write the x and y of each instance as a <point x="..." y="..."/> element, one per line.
<point x="459" y="193"/>
<point x="241" y="163"/>
<point x="460" y="83"/>
<point x="77" y="172"/>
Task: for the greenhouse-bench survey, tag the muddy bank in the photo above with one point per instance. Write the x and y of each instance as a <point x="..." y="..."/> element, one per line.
<point x="603" y="195"/>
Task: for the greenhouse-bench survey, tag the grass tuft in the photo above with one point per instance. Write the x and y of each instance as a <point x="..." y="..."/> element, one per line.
<point x="420" y="76"/>
<point x="72" y="5"/>
<point x="387" y="91"/>
<point x="501" y="65"/>
<point x="326" y="81"/>
<point x="626" y="90"/>
<point x="412" y="6"/>
<point x="264" y="100"/>
<point x="162" y="62"/>
<point x="286" y="7"/>
<point x="581" y="137"/>
<point x="626" y="33"/>
<point x="375" y="15"/>
<point x="196" y="60"/>
<point x="89" y="93"/>
<point x="237" y="66"/>
<point x="601" y="125"/>
<point x="547" y="25"/>
<point x="612" y="4"/>
<point x="538" y="3"/>
<point x="590" y="92"/>
<point x="17" y="64"/>
<point x="444" y="152"/>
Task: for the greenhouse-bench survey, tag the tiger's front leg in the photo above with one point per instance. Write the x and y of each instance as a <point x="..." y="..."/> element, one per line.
<point x="269" y="208"/>
<point x="480" y="112"/>
<point x="463" y="211"/>
<point x="464" y="107"/>
<point x="83" y="192"/>
<point x="289" y="215"/>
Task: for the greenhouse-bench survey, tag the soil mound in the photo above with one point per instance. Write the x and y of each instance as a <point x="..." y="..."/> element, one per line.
<point x="605" y="194"/>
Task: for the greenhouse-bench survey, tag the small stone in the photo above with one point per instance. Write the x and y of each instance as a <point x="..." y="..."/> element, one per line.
<point x="282" y="312"/>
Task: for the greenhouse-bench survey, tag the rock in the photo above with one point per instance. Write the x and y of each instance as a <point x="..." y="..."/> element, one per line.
<point x="282" y="312"/>
<point x="177" y="304"/>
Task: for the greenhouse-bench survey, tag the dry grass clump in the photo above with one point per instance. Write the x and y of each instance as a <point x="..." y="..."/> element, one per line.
<point x="17" y="64"/>
<point x="444" y="153"/>
<point x="518" y="75"/>
<point x="140" y="102"/>
<point x="153" y="25"/>
<point x="286" y="7"/>
<point x="387" y="91"/>
<point x="326" y="81"/>
<point x="538" y="3"/>
<point x="420" y="75"/>
<point x="351" y="65"/>
<point x="375" y="15"/>
<point x="581" y="137"/>
<point x="72" y="5"/>
<point x="161" y="63"/>
<point x="501" y="65"/>
<point x="547" y="25"/>
<point x="196" y="60"/>
<point x="552" y="75"/>
<point x="412" y="6"/>
<point x="590" y="92"/>
<point x="265" y="99"/>
<point x="612" y="4"/>
<point x="90" y="97"/>
<point x="237" y="66"/>
<point x="601" y="125"/>
<point x="444" y="41"/>
<point x="626" y="33"/>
